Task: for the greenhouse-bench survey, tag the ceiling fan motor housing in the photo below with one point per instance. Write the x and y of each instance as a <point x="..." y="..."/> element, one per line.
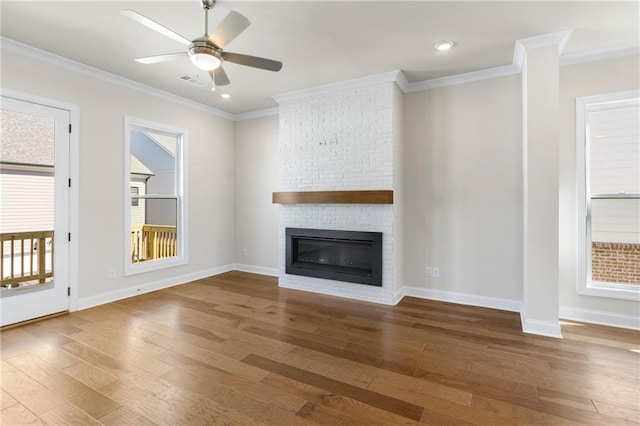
<point x="203" y="45"/>
<point x="208" y="4"/>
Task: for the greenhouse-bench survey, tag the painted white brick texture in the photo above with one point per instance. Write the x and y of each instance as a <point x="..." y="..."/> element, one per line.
<point x="340" y="141"/>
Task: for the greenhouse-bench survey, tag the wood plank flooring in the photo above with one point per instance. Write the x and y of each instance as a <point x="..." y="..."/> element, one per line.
<point x="236" y="349"/>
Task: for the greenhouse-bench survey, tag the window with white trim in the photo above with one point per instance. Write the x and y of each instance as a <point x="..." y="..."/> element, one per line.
<point x="135" y="200"/>
<point x="608" y="163"/>
<point x="154" y="207"/>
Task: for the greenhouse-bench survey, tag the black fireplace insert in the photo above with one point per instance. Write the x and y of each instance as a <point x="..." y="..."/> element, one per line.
<point x="349" y="256"/>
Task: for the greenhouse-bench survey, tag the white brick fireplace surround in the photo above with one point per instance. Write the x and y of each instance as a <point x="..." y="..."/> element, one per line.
<point x="338" y="139"/>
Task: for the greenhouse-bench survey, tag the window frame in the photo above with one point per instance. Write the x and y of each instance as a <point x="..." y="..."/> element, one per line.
<point x="585" y="284"/>
<point x="134" y="202"/>
<point x="131" y="124"/>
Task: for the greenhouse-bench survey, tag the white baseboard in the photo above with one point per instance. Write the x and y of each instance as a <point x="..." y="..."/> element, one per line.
<point x="541" y="328"/>
<point x="398" y="295"/>
<point x="528" y="326"/>
<point x="112" y="296"/>
<point x="262" y="270"/>
<point x="460" y="298"/>
<point x="600" y="317"/>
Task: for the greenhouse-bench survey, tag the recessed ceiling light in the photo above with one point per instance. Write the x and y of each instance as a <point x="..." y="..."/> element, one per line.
<point x="226" y="96"/>
<point x="444" y="45"/>
<point x="213" y="88"/>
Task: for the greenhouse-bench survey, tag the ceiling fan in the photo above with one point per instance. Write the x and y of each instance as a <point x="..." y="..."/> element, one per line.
<point x="206" y="52"/>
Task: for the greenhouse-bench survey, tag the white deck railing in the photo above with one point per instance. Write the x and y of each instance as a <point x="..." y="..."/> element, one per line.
<point x="150" y="242"/>
<point x="27" y="257"/>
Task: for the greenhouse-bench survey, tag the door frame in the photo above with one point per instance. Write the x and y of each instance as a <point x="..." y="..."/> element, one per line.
<point x="74" y="175"/>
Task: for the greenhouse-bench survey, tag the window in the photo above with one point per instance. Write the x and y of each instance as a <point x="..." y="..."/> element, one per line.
<point x="155" y="225"/>
<point x="135" y="201"/>
<point x="608" y="163"/>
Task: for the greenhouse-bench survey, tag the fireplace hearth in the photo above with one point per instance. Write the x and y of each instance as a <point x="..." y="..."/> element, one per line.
<point x="349" y="256"/>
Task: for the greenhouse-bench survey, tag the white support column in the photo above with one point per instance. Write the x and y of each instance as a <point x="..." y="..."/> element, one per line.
<point x="540" y="151"/>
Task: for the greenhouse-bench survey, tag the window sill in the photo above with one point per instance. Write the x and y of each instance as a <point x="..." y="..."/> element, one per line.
<point x="153" y="265"/>
<point x="613" y="291"/>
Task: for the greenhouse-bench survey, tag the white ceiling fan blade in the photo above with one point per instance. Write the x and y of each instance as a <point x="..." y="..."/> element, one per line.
<point x="219" y="77"/>
<point x="149" y="23"/>
<point x="230" y="27"/>
<point x="161" y="58"/>
<point x="253" y="61"/>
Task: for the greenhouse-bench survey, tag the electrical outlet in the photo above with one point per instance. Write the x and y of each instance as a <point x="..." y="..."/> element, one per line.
<point x="111" y="273"/>
<point x="427" y="271"/>
<point x="436" y="272"/>
<point x="245" y="252"/>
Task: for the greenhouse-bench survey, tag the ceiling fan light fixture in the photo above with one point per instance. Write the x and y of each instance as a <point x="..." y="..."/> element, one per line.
<point x="204" y="56"/>
<point x="205" y="62"/>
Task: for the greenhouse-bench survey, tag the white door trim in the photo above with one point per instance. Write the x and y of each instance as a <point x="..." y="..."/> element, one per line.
<point x="74" y="174"/>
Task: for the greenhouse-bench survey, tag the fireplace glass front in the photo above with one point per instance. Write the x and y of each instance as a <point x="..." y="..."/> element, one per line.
<point x="349" y="256"/>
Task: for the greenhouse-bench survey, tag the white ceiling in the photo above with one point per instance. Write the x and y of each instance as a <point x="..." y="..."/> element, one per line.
<point x="318" y="42"/>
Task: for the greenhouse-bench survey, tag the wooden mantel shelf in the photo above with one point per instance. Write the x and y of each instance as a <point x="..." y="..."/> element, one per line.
<point x="334" y="197"/>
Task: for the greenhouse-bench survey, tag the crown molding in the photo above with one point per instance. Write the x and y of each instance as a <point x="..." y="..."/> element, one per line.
<point x="402" y="83"/>
<point x="44" y="56"/>
<point x="469" y="77"/>
<point x="598" y="55"/>
<point x="558" y="38"/>
<point x="388" y="77"/>
<point x="256" y="114"/>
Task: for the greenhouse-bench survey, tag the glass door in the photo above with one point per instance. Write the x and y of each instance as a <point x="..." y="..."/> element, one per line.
<point x="34" y="210"/>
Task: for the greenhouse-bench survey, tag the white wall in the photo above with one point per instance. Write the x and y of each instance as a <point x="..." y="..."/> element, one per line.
<point x="593" y="78"/>
<point x="103" y="105"/>
<point x="463" y="188"/>
<point x="256" y="178"/>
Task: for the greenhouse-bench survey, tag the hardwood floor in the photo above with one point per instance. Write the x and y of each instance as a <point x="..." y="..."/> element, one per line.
<point x="236" y="349"/>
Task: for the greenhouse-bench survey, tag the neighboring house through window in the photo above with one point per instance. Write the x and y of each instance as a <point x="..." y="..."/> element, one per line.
<point x="139" y="175"/>
<point x="27" y="168"/>
<point x="154" y="216"/>
<point x="27" y="201"/>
